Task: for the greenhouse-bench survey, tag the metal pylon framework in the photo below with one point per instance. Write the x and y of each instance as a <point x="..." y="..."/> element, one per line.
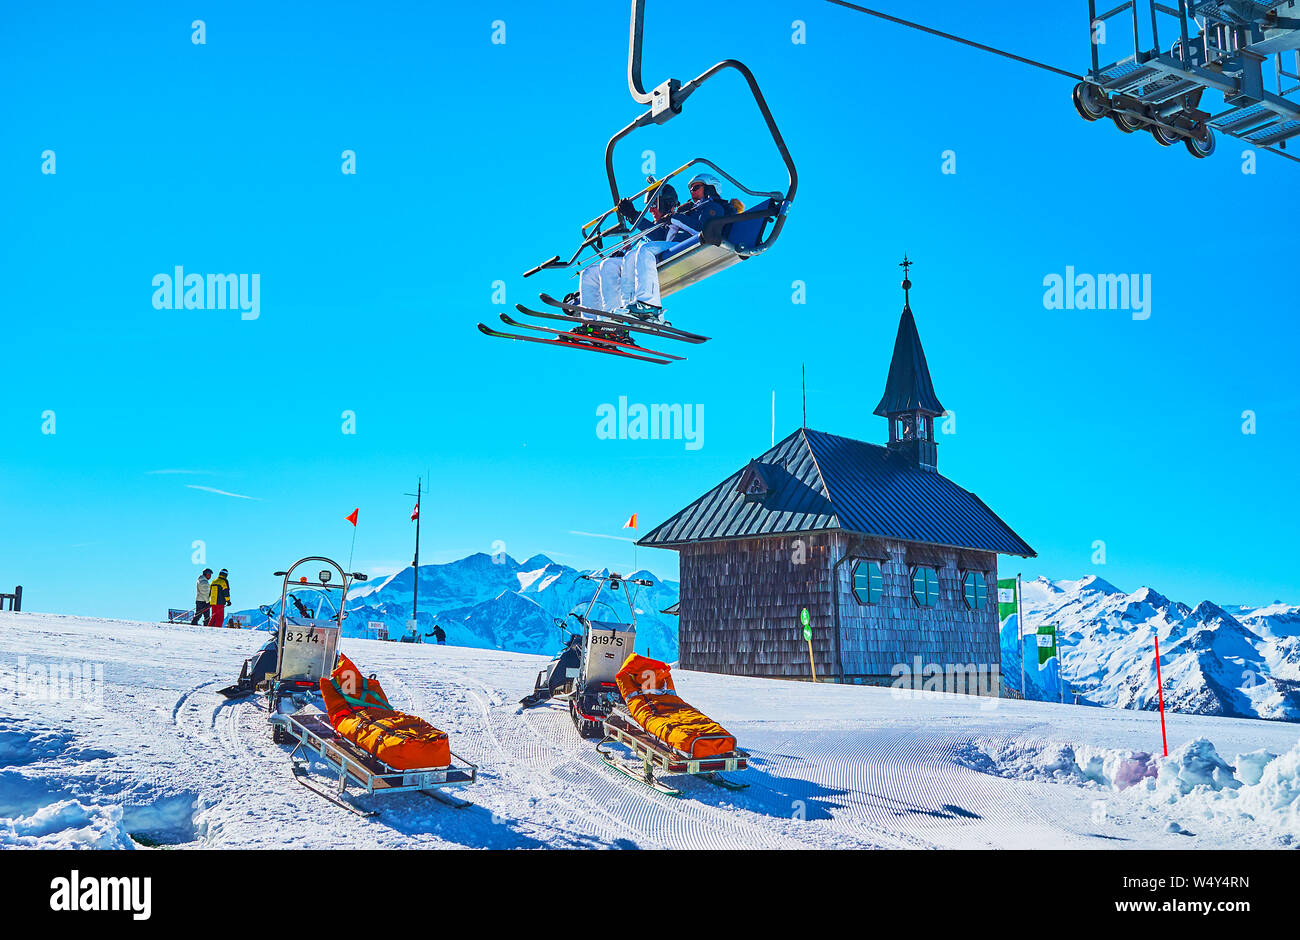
<point x="1246" y="50"/>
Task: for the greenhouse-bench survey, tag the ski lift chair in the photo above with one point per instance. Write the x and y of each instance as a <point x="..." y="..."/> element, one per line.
<point x="723" y="241"/>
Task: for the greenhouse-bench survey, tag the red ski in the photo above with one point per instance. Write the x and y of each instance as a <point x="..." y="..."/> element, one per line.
<point x="590" y="337"/>
<point x="572" y="344"/>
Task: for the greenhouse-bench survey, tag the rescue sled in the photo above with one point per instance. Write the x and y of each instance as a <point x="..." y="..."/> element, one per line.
<point x="665" y="733"/>
<point x="360" y="712"/>
<point x="315" y="736"/>
<point x="370" y="744"/>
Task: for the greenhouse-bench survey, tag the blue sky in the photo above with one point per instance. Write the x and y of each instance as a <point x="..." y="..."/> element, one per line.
<point x="477" y="160"/>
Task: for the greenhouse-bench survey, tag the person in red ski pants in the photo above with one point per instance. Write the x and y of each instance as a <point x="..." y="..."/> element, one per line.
<point x="219" y="598"/>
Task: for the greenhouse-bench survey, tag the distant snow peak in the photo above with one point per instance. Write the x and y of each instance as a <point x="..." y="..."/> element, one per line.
<point x="526" y="578"/>
<point x="495" y="602"/>
<point x="1244" y="664"/>
<point x="1094" y="584"/>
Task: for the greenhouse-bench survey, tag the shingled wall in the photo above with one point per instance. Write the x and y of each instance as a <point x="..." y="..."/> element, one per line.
<point x="740" y="603"/>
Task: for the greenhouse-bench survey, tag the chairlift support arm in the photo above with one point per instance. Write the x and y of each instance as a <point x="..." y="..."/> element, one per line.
<point x="667" y="98"/>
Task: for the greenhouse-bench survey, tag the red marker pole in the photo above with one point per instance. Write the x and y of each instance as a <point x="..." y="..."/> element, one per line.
<point x="1160" y="686"/>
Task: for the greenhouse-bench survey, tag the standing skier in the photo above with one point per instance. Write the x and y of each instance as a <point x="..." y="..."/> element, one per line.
<point x="219" y="598"/>
<point x="439" y="634"/>
<point x="202" y="593"/>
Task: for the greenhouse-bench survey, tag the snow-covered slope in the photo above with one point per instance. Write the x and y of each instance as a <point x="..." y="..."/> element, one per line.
<point x="1242" y="664"/>
<point x="494" y="602"/>
<point x="152" y="755"/>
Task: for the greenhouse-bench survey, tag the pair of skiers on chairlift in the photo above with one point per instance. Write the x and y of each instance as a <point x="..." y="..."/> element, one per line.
<point x="627" y="281"/>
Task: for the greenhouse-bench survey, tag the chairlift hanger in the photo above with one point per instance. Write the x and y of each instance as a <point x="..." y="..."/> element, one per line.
<point x="665" y="102"/>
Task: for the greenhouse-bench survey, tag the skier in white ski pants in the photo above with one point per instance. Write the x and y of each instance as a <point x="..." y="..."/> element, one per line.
<point x="599" y="286"/>
<point x="639" y="277"/>
<point x="616" y="283"/>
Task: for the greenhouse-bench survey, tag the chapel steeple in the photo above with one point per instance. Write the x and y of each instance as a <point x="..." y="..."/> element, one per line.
<point x="909" y="401"/>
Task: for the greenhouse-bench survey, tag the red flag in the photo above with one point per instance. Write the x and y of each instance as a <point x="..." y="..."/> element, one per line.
<point x="415" y="513"/>
<point x="631" y="523"/>
<point x="352" y="517"/>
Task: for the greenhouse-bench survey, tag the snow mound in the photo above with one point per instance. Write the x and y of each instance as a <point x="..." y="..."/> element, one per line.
<point x="1194" y="782"/>
<point x="68" y="824"/>
<point x="1199" y="782"/>
<point x="1054" y="762"/>
<point x="1196" y="766"/>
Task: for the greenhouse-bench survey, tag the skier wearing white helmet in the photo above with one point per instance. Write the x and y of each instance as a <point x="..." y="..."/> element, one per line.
<point x="640" y="279"/>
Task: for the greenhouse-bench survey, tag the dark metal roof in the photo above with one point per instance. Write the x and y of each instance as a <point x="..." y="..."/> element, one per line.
<point x="908" y="387"/>
<point x="822" y="481"/>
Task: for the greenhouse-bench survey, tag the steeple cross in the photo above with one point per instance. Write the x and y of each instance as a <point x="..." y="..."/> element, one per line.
<point x="906" y="264"/>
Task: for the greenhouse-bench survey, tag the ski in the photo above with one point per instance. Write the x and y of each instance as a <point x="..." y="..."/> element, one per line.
<point x="717" y="779"/>
<point x="574" y="318"/>
<point x="446" y="799"/>
<point x="643" y="776"/>
<point x="579" y="337"/>
<point x="300" y="774"/>
<point x="671" y="332"/>
<point x="607" y="350"/>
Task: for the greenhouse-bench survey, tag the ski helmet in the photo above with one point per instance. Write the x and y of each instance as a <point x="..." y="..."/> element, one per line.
<point x="207" y="572"/>
<point x="662" y="197"/>
<point x="707" y="180"/>
<point x="222" y="573"/>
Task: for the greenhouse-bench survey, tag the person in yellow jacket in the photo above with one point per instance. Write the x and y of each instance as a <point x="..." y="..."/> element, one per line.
<point x="219" y="597"/>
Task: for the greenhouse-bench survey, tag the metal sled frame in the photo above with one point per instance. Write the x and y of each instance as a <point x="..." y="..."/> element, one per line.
<point x="1161" y="90"/>
<point x="314" y="734"/>
<point x="658" y="756"/>
<point x="712" y="253"/>
<point x="323" y="583"/>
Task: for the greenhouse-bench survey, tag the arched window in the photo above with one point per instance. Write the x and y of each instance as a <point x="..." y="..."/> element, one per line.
<point x="925" y="586"/>
<point x="868" y="582"/>
<point x="974" y="589"/>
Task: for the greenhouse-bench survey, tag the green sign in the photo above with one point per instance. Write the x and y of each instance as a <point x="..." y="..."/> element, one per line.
<point x="807" y="623"/>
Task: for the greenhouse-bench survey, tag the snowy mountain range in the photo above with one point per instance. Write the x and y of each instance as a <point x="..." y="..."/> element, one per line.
<point x="1232" y="661"/>
<point x="494" y="602"/>
<point x="1235" y="662"/>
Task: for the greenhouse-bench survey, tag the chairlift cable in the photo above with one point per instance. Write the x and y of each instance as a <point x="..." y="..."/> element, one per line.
<point x="967" y="42"/>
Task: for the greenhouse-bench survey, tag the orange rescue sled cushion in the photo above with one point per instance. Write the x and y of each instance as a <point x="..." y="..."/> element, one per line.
<point x="360" y="712"/>
<point x="647" y="687"/>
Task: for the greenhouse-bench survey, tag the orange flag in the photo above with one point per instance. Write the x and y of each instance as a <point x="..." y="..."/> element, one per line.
<point x="352" y="516"/>
<point x="631" y="523"/>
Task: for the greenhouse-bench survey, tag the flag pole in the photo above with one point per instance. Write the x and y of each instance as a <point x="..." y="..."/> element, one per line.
<point x="415" y="564"/>
<point x="1060" y="661"/>
<point x="1020" y="633"/>
<point x="1160" y="688"/>
<point x="415" y="581"/>
<point x="353" y="548"/>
